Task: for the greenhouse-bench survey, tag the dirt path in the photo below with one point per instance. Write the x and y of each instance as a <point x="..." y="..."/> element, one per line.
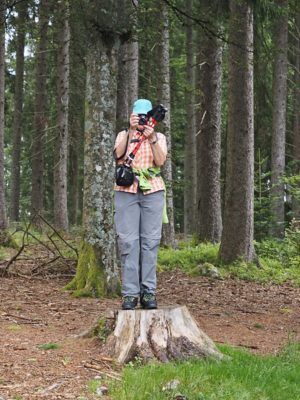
<point x="38" y="312"/>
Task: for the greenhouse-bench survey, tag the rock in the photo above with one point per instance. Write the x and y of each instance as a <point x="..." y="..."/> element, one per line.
<point x="179" y="396"/>
<point x="172" y="385"/>
<point x="102" y="391"/>
<point x="209" y="270"/>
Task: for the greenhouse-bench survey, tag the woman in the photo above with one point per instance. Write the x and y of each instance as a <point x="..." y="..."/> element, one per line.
<point x="139" y="209"/>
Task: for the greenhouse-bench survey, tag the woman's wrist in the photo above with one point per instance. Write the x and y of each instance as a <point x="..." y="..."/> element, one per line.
<point x="154" y="139"/>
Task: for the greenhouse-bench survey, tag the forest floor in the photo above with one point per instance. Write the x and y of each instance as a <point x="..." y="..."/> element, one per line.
<point x="41" y="358"/>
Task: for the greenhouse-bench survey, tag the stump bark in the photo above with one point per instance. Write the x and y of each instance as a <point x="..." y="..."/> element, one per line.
<point x="165" y="334"/>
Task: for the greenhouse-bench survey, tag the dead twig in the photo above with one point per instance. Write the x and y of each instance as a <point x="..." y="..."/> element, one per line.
<point x="57" y="233"/>
<point x="99" y="369"/>
<point x="42" y="243"/>
<point x="55" y="246"/>
<point x="28" y="320"/>
<point x="44" y="264"/>
<point x="5" y="269"/>
<point x="50" y="246"/>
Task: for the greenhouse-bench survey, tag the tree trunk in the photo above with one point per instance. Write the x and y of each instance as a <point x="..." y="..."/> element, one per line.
<point x="166" y="334"/>
<point x="128" y="66"/>
<point x="76" y="133"/>
<point x="122" y="84"/>
<point x="190" y="169"/>
<point x="209" y="135"/>
<point x="3" y="220"/>
<point x="237" y="235"/>
<point x="61" y="142"/>
<point x="21" y="9"/>
<point x="133" y="66"/>
<point x="296" y="124"/>
<point x="40" y="122"/>
<point x="76" y="111"/>
<point x="279" y="121"/>
<point x="96" y="270"/>
<point x="168" y="231"/>
<point x="122" y="91"/>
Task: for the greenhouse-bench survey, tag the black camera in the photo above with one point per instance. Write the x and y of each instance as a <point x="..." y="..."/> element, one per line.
<point x="143" y="119"/>
<point x="157" y="114"/>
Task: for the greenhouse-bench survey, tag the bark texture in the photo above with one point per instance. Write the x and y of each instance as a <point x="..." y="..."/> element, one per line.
<point x="76" y="112"/>
<point x="40" y="122"/>
<point x="237" y="234"/>
<point x="21" y="9"/>
<point x="209" y="135"/>
<point x="296" y="125"/>
<point x="133" y="70"/>
<point x="61" y="143"/>
<point x="128" y="65"/>
<point x="122" y="84"/>
<point x="122" y="91"/>
<point x="279" y="121"/>
<point x="190" y="170"/>
<point x="164" y="97"/>
<point x="97" y="271"/>
<point x="166" y="334"/>
<point x="3" y="219"/>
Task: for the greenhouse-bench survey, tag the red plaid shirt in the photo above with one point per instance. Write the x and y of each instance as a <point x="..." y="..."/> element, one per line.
<point x="143" y="159"/>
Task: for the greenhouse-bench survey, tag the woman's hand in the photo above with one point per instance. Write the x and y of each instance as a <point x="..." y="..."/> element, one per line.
<point x="134" y="121"/>
<point x="150" y="134"/>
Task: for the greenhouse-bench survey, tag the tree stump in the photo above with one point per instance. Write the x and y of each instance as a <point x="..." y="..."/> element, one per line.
<point x="165" y="334"/>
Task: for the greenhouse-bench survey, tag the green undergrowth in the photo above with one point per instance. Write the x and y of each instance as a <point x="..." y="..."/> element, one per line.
<point x="244" y="376"/>
<point x="280" y="261"/>
<point x="47" y="238"/>
<point x="4" y="253"/>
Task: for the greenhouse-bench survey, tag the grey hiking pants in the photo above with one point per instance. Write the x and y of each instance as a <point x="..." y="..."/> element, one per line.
<point x="138" y="220"/>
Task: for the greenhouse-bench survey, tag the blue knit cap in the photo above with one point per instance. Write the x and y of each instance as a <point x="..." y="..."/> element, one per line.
<point x="142" y="106"/>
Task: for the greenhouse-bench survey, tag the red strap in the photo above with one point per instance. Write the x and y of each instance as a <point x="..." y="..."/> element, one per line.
<point x="151" y="123"/>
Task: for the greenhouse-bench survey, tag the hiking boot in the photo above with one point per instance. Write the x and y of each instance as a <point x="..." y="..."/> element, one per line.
<point x="129" y="302"/>
<point x="148" y="301"/>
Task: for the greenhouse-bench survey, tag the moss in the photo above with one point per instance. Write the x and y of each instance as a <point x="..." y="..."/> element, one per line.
<point x="90" y="279"/>
<point x="6" y="240"/>
<point x="82" y="292"/>
<point x="103" y="329"/>
<point x="203" y="260"/>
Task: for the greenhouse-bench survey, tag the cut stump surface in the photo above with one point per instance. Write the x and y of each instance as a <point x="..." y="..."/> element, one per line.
<point x="165" y="334"/>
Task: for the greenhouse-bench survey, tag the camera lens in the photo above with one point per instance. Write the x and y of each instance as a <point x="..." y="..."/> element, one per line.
<point x="143" y="119"/>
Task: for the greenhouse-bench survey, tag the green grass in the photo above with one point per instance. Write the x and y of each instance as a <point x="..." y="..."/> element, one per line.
<point x="48" y="346"/>
<point x="93" y="385"/>
<point x="272" y="271"/>
<point x="243" y="377"/>
<point x="187" y="257"/>
<point x="5" y="253"/>
<point x="279" y="264"/>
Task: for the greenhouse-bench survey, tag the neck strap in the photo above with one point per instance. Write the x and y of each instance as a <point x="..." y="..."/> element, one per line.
<point x="152" y="122"/>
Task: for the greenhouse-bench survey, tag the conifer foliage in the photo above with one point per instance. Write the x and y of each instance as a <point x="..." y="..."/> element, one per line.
<point x="69" y="73"/>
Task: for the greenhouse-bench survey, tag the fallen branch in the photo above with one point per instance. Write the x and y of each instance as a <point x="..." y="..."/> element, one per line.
<point x="55" y="246"/>
<point x="5" y="269"/>
<point x="28" y="320"/>
<point x="50" y="246"/>
<point x="44" y="264"/>
<point x="57" y="233"/>
<point x="98" y="369"/>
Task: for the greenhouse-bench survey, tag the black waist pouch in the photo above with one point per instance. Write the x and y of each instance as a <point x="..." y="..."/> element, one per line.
<point x="124" y="175"/>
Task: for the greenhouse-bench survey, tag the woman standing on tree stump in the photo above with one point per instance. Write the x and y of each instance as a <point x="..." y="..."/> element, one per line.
<point x="139" y="207"/>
